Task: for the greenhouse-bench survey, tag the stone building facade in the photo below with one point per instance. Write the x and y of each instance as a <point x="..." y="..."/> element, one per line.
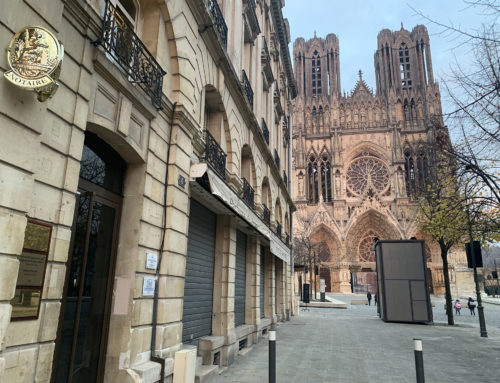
<point x="149" y="198"/>
<point x="357" y="157"/>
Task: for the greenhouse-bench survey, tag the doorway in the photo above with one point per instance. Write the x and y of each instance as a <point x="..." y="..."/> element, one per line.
<point x="84" y="320"/>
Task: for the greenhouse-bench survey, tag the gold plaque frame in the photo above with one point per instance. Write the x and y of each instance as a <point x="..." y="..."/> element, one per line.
<point x="32" y="268"/>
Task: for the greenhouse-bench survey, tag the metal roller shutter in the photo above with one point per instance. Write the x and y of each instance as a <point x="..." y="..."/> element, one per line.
<point x="277" y="269"/>
<point x="198" y="288"/>
<point x="262" y="280"/>
<point x="240" y="279"/>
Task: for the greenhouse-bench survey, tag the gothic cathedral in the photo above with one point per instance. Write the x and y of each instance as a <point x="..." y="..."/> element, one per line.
<point x="357" y="157"/>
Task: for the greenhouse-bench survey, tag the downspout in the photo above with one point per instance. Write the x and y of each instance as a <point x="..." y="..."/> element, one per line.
<point x="154" y="358"/>
<point x="292" y="280"/>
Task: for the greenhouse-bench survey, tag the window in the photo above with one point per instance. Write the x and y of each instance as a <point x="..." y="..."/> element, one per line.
<point x="312" y="176"/>
<point x="316" y="74"/>
<point x="404" y="67"/>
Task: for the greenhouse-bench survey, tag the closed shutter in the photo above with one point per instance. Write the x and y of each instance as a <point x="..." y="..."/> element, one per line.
<point x="240" y="279"/>
<point x="277" y="269"/>
<point x="262" y="280"/>
<point x="198" y="287"/>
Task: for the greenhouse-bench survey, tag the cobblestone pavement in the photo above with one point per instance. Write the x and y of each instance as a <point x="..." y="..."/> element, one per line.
<point x="355" y="346"/>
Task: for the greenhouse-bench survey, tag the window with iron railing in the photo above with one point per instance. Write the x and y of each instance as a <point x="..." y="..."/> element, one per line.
<point x="247" y="89"/>
<point x="285" y="179"/>
<point x="266" y="215"/>
<point x="248" y="193"/>
<point x="276" y="158"/>
<point x="218" y="19"/>
<point x="215" y="156"/>
<point x="287" y="239"/>
<point x="278" y="229"/>
<point x="129" y="52"/>
<point x="265" y="131"/>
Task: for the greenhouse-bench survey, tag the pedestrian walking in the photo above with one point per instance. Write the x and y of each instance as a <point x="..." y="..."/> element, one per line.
<point x="472" y="306"/>
<point x="458" y="307"/>
<point x="369" y="296"/>
<point x="375" y="298"/>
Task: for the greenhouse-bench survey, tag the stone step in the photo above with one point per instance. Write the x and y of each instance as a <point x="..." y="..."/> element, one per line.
<point x="205" y="374"/>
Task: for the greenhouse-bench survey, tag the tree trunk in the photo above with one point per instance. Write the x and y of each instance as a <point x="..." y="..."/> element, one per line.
<point x="449" y="304"/>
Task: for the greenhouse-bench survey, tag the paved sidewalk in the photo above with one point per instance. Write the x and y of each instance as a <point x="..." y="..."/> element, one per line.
<point x="355" y="346"/>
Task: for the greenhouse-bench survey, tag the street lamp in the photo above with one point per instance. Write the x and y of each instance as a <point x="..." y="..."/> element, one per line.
<point x="480" y="308"/>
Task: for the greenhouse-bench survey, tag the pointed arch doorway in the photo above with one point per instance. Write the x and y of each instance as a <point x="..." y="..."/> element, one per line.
<point x="84" y="319"/>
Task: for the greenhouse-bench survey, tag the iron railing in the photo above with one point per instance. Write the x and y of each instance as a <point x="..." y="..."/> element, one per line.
<point x="266" y="215"/>
<point x="278" y="229"/>
<point x="215" y="156"/>
<point x="277" y="92"/>
<point x="265" y="131"/>
<point x="130" y="53"/>
<point x="219" y="22"/>
<point x="287" y="240"/>
<point x="248" y="193"/>
<point x="276" y="158"/>
<point x="285" y="179"/>
<point x="266" y="51"/>
<point x="247" y="88"/>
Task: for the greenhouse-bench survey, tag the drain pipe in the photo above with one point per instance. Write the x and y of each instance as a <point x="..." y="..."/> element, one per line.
<point x="290" y="177"/>
<point x="153" y="357"/>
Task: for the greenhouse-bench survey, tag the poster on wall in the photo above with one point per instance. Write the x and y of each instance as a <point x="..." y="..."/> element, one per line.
<point x="32" y="265"/>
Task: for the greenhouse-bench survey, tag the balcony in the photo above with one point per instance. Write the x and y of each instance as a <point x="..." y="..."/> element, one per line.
<point x="287" y="240"/>
<point x="247" y="89"/>
<point x="215" y="156"/>
<point x="285" y="179"/>
<point x="129" y="52"/>
<point x="278" y="229"/>
<point x="268" y="77"/>
<point x="276" y="158"/>
<point x="218" y="19"/>
<point x="277" y="102"/>
<point x="251" y="23"/>
<point x="266" y="215"/>
<point x="265" y="131"/>
<point x="248" y="194"/>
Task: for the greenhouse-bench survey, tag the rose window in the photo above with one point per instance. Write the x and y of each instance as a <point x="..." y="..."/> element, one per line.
<point x="367" y="171"/>
<point x="366" y="253"/>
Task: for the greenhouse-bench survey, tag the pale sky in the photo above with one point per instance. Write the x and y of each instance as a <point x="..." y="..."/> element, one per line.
<point x="357" y="23"/>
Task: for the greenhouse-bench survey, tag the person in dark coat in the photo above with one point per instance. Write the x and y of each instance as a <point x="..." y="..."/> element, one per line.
<point x="369" y="296"/>
<point x="375" y="298"/>
<point x="471" y="304"/>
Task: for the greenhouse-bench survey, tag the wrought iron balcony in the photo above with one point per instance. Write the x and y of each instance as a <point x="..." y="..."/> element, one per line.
<point x="265" y="131"/>
<point x="218" y="19"/>
<point x="276" y="158"/>
<point x="248" y="194"/>
<point x="247" y="88"/>
<point x="287" y="240"/>
<point x="251" y="23"/>
<point x="268" y="77"/>
<point x="285" y="179"/>
<point x="215" y="156"/>
<point x="124" y="46"/>
<point x="277" y="102"/>
<point x="278" y="229"/>
<point x="277" y="93"/>
<point x="266" y="215"/>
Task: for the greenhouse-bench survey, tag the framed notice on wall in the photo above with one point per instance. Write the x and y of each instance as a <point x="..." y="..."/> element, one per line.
<point x="32" y="265"/>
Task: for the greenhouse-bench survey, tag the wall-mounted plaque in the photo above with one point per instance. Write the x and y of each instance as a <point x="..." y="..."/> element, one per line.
<point x="32" y="265"/>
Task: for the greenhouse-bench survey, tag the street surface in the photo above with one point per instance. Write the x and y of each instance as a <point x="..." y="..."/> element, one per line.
<point x="354" y="346"/>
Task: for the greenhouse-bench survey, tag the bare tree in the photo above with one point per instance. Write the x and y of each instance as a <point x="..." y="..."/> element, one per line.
<point x="474" y="91"/>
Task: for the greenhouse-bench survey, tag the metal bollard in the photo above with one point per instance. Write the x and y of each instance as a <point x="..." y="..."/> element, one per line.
<point x="419" y="360"/>
<point x="272" y="356"/>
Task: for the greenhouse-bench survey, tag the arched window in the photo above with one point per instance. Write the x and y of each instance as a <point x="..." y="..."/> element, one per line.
<point x="421" y="168"/>
<point x="312" y="177"/>
<point x="410" y="173"/>
<point x="316" y="74"/>
<point x="326" y="179"/>
<point x="404" y="66"/>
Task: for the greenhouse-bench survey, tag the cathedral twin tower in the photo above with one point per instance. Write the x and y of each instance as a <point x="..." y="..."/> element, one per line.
<point x="357" y="158"/>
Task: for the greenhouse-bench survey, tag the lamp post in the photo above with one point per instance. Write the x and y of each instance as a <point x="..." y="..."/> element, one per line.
<point x="480" y="308"/>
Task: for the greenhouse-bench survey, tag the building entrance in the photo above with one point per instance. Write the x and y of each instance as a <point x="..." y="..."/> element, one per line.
<point x="83" y="329"/>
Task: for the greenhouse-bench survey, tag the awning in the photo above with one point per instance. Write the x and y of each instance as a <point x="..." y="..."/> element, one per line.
<point x="220" y="189"/>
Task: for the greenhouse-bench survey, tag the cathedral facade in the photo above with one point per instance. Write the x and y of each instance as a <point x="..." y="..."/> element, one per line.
<point x="357" y="157"/>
